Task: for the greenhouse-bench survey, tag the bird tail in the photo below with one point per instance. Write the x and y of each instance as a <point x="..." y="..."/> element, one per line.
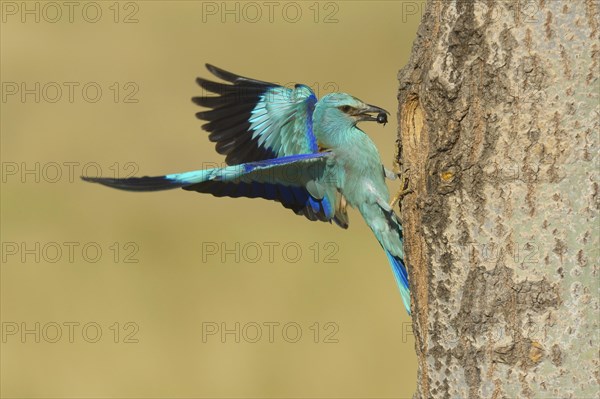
<point x="154" y="183"/>
<point x="401" y="276"/>
<point x="387" y="229"/>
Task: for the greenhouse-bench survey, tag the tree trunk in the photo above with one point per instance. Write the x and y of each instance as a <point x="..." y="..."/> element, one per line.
<point x="499" y="119"/>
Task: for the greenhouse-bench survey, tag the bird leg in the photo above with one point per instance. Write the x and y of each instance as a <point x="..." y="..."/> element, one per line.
<point x="403" y="191"/>
<point x="389" y="174"/>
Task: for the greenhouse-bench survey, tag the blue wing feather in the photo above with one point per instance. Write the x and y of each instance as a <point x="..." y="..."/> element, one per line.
<point x="248" y="109"/>
<point x="280" y="179"/>
<point x="252" y="120"/>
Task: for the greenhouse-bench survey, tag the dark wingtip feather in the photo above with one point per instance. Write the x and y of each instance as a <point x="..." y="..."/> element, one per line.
<point x="214" y="87"/>
<point x="202" y="115"/>
<point x="210" y="102"/>
<point x="233" y="78"/>
<point x="145" y="183"/>
<point x="222" y="74"/>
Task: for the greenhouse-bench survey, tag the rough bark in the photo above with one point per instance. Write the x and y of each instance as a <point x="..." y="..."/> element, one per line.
<point x="499" y="118"/>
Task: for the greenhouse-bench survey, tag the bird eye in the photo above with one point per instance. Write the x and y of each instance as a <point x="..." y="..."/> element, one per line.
<point x="345" y="108"/>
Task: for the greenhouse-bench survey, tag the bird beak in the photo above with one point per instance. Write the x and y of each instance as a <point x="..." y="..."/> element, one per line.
<point x="366" y="114"/>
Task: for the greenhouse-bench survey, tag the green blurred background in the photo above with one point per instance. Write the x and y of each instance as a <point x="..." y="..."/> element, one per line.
<point x="162" y="281"/>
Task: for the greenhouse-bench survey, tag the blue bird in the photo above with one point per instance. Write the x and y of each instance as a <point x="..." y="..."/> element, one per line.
<point x="284" y="145"/>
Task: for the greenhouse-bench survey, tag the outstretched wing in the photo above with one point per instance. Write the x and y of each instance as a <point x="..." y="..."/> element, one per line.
<point x="294" y="181"/>
<point x="251" y="120"/>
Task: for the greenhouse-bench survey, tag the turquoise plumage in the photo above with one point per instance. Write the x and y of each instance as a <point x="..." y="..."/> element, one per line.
<point x="284" y="145"/>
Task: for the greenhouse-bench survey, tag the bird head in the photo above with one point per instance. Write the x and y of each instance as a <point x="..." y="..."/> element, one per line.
<point x="344" y="107"/>
<point x="336" y="112"/>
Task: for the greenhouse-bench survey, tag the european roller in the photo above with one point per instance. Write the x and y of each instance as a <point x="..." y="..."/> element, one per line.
<point x="285" y="145"/>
